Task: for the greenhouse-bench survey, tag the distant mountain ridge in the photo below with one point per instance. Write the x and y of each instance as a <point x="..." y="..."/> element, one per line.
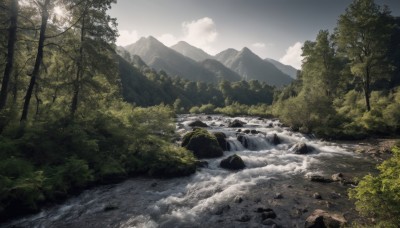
<point x="191" y="63"/>
<point x="158" y="56"/>
<point x="287" y="69"/>
<point x="190" y="51"/>
<point x="251" y="66"/>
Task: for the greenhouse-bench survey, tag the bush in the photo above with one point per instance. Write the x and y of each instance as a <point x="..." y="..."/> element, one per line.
<point x="379" y="196"/>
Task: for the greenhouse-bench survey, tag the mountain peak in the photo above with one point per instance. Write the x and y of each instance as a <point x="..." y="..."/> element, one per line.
<point x="190" y="51"/>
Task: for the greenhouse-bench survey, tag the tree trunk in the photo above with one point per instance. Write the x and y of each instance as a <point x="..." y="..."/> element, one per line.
<point x="12" y="38"/>
<point x="38" y="62"/>
<point x="79" y="72"/>
<point x="367" y="91"/>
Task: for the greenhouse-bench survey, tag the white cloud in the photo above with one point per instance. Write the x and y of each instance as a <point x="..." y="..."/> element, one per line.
<point x="127" y="37"/>
<point x="200" y="33"/>
<point x="168" y="39"/>
<point x="293" y="56"/>
<point x="259" y="45"/>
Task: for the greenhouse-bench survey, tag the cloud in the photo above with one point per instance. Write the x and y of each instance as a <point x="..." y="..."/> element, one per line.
<point x="127" y="37"/>
<point x="293" y="56"/>
<point x="168" y="39"/>
<point x="200" y="33"/>
<point x="259" y="45"/>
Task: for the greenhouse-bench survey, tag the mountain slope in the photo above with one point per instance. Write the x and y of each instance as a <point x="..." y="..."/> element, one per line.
<point x="158" y="56"/>
<point x="221" y="71"/>
<point x="192" y="52"/>
<point x="250" y="66"/>
<point x="287" y="69"/>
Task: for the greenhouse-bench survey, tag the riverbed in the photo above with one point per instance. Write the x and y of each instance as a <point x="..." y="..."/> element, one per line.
<point x="274" y="178"/>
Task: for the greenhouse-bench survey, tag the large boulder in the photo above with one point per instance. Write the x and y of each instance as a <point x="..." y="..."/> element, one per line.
<point x="300" y="148"/>
<point x="236" y="123"/>
<point x="223" y="143"/>
<point x="320" y="218"/>
<point x="233" y="162"/>
<point x="202" y="143"/>
<point x="197" y="123"/>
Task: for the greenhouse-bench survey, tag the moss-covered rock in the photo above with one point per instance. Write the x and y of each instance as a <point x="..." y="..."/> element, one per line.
<point x="197" y="123"/>
<point x="223" y="143"/>
<point x="202" y="143"/>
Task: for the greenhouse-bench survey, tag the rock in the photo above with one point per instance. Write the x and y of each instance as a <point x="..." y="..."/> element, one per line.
<point x="233" y="162"/>
<point x="110" y="207"/>
<point x="268" y="215"/>
<point x="321" y="218"/>
<point x="236" y="123"/>
<point x="239" y="130"/>
<point x="244" y="218"/>
<point x="275" y="140"/>
<point x="269" y="222"/>
<point x="197" y="123"/>
<point x="321" y="179"/>
<point x="247" y="131"/>
<point x="243" y="140"/>
<point x="238" y="199"/>
<point x="261" y="210"/>
<point x="278" y="196"/>
<point x="221" y="138"/>
<point x="202" y="164"/>
<point x="153" y="184"/>
<point x="300" y="148"/>
<point x="209" y="118"/>
<point x="254" y="132"/>
<point x="202" y="144"/>
<point x="317" y="196"/>
<point x="337" y="177"/>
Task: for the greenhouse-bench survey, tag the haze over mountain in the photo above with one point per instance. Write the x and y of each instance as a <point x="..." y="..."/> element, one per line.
<point x="250" y="66"/>
<point x="160" y="57"/>
<point x="287" y="69"/>
<point x="221" y="71"/>
<point x="190" y="51"/>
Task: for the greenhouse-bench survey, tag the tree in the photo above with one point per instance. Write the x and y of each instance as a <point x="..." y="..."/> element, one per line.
<point x="12" y="39"/>
<point x="363" y="34"/>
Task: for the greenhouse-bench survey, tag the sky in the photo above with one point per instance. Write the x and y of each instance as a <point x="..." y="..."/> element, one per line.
<point x="273" y="29"/>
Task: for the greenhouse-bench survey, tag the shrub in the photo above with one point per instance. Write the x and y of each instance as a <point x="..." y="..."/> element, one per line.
<point x="379" y="196"/>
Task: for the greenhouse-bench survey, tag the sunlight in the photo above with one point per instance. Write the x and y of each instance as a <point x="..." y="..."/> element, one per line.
<point x="59" y="11"/>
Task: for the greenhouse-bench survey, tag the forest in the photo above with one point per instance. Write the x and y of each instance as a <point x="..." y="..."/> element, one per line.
<point x="74" y="114"/>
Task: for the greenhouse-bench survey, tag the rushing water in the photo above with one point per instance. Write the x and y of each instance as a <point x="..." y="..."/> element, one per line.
<point x="214" y="197"/>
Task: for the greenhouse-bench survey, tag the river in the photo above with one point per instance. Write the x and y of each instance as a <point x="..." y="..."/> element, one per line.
<point x="274" y="178"/>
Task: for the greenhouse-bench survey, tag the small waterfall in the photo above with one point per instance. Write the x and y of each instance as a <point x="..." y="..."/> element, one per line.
<point x="254" y="142"/>
<point x="235" y="145"/>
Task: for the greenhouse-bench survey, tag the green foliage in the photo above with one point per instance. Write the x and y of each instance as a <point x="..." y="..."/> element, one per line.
<point x="379" y="196"/>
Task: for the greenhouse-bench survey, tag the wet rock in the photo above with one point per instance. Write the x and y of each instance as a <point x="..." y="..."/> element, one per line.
<point x="233" y="162"/>
<point x="247" y="131"/>
<point x="238" y="199"/>
<point x="275" y="140"/>
<point x="300" y="148"/>
<point x="278" y="196"/>
<point x="321" y="218"/>
<point x="268" y="215"/>
<point x="202" y="164"/>
<point x="202" y="144"/>
<point x="153" y="184"/>
<point x="243" y="140"/>
<point x="254" y="132"/>
<point x="244" y="218"/>
<point x="209" y="118"/>
<point x="236" y="123"/>
<point x="221" y="138"/>
<point x="337" y="177"/>
<point x="197" y="123"/>
<point x="110" y="207"/>
<point x="321" y="179"/>
<point x="317" y="195"/>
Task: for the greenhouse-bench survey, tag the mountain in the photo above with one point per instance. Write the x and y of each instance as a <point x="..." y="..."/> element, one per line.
<point x="221" y="71"/>
<point x="287" y="69"/>
<point x="192" y="52"/>
<point x="250" y="66"/>
<point x="158" y="56"/>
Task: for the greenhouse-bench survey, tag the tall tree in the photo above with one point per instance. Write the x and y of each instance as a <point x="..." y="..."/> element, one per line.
<point x="39" y="57"/>
<point x="12" y="39"/>
<point x="363" y="34"/>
